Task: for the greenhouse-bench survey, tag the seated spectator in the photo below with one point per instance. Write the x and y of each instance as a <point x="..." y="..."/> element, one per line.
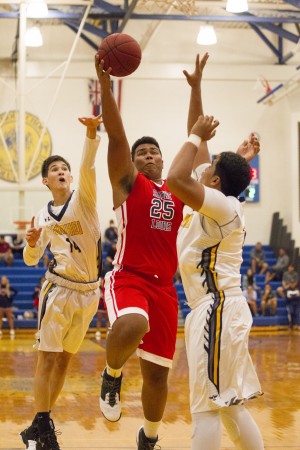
<point x="251" y="297"/>
<point x="6" y="253"/>
<point x="290" y="280"/>
<point x="108" y="263"/>
<point x="7" y="294"/>
<point x="268" y="301"/>
<point x="276" y="272"/>
<point x="111" y="233"/>
<point x="18" y="243"/>
<point x="293" y="307"/>
<point x="257" y="256"/>
<point x="249" y="280"/>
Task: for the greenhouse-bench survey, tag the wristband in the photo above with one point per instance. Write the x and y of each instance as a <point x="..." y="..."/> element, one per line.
<point x="194" y="139"/>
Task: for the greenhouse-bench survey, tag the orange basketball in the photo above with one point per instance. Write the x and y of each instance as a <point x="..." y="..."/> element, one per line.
<point x="120" y="52"/>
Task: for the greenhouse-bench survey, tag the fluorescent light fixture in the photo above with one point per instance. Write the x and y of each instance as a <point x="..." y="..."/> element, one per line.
<point x="37" y="9"/>
<point x="33" y="37"/>
<point x="237" y="6"/>
<point x="207" y="35"/>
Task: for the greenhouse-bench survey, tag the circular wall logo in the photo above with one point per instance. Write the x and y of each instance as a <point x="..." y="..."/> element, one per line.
<point x="33" y="129"/>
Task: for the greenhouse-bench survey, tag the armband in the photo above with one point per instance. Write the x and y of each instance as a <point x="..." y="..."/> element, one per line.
<point x="194" y="139"/>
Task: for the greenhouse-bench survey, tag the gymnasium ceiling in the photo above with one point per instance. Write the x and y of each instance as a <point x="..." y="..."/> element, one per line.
<point x="275" y="23"/>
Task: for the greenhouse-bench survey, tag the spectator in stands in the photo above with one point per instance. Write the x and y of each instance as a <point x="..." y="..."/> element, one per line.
<point x="18" y="243"/>
<point x="268" y="301"/>
<point x="111" y="233"/>
<point x="293" y="307"/>
<point x="101" y="313"/>
<point x="108" y="263"/>
<point x="249" y="280"/>
<point x="276" y="271"/>
<point x="6" y="253"/>
<point x="257" y="256"/>
<point x="251" y="297"/>
<point x="7" y="294"/>
<point x="290" y="280"/>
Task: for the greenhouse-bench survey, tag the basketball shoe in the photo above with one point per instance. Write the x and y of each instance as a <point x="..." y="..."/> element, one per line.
<point x="110" y="404"/>
<point x="48" y="440"/>
<point x="30" y="438"/>
<point x="144" y="443"/>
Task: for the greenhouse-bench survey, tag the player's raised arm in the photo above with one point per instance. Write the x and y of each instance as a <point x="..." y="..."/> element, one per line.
<point x="179" y="180"/>
<point x="120" y="167"/>
<point x="194" y="79"/>
<point x="87" y="177"/>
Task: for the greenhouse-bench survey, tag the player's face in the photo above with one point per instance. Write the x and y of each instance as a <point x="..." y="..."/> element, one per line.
<point x="59" y="176"/>
<point x="209" y="173"/>
<point x="148" y="161"/>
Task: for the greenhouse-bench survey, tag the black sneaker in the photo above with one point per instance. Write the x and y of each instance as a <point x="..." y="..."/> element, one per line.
<point x="110" y="404"/>
<point x="48" y="440"/>
<point x="30" y="438"/>
<point x="144" y="443"/>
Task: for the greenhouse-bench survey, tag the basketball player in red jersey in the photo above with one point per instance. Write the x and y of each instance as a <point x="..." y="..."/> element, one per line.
<point x="139" y="292"/>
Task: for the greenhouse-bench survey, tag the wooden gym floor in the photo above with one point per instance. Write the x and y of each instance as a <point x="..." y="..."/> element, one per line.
<point x="275" y="354"/>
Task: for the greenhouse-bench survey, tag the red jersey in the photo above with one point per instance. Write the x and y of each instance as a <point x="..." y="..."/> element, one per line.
<point x="148" y="223"/>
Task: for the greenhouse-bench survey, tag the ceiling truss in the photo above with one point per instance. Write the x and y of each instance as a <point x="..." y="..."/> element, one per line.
<point x="108" y="17"/>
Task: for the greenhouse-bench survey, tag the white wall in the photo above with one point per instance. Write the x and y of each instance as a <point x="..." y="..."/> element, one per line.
<point x="155" y="102"/>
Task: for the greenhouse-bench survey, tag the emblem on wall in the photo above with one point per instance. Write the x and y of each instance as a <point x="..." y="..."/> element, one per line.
<point x="9" y="149"/>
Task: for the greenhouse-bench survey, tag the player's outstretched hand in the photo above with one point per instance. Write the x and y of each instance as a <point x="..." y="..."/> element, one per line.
<point x="103" y="75"/>
<point x="91" y="121"/>
<point x="205" y="127"/>
<point x="194" y="78"/>
<point x="32" y="234"/>
<point x="249" y="148"/>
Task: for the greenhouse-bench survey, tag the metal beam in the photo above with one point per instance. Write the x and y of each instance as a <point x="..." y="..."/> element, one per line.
<point x="265" y="39"/>
<point x="295" y="3"/>
<point x="119" y="14"/>
<point x="128" y="15"/>
<point x="280" y="32"/>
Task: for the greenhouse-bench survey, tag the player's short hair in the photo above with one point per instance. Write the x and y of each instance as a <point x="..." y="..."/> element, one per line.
<point x="50" y="160"/>
<point x="234" y="172"/>
<point x="143" y="140"/>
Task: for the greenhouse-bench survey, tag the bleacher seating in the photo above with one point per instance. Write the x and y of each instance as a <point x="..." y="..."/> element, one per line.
<point x="25" y="278"/>
<point x="280" y="319"/>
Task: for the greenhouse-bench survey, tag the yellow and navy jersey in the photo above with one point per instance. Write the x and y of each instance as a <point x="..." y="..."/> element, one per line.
<point x="209" y="246"/>
<point x="72" y="230"/>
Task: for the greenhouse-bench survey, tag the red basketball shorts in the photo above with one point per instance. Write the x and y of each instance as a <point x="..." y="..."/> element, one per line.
<point x="128" y="293"/>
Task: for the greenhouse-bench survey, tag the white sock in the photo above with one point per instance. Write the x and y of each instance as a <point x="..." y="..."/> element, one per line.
<point x="206" y="430"/>
<point x="151" y="429"/>
<point x="242" y="429"/>
<point x="113" y="372"/>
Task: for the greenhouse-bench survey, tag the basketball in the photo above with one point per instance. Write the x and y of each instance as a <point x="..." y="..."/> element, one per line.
<point x="120" y="52"/>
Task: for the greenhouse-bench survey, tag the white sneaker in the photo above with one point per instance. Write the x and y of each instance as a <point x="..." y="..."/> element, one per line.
<point x="12" y="332"/>
<point x="110" y="404"/>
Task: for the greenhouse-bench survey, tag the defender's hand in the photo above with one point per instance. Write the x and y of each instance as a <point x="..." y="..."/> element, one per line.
<point x="32" y="234"/>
